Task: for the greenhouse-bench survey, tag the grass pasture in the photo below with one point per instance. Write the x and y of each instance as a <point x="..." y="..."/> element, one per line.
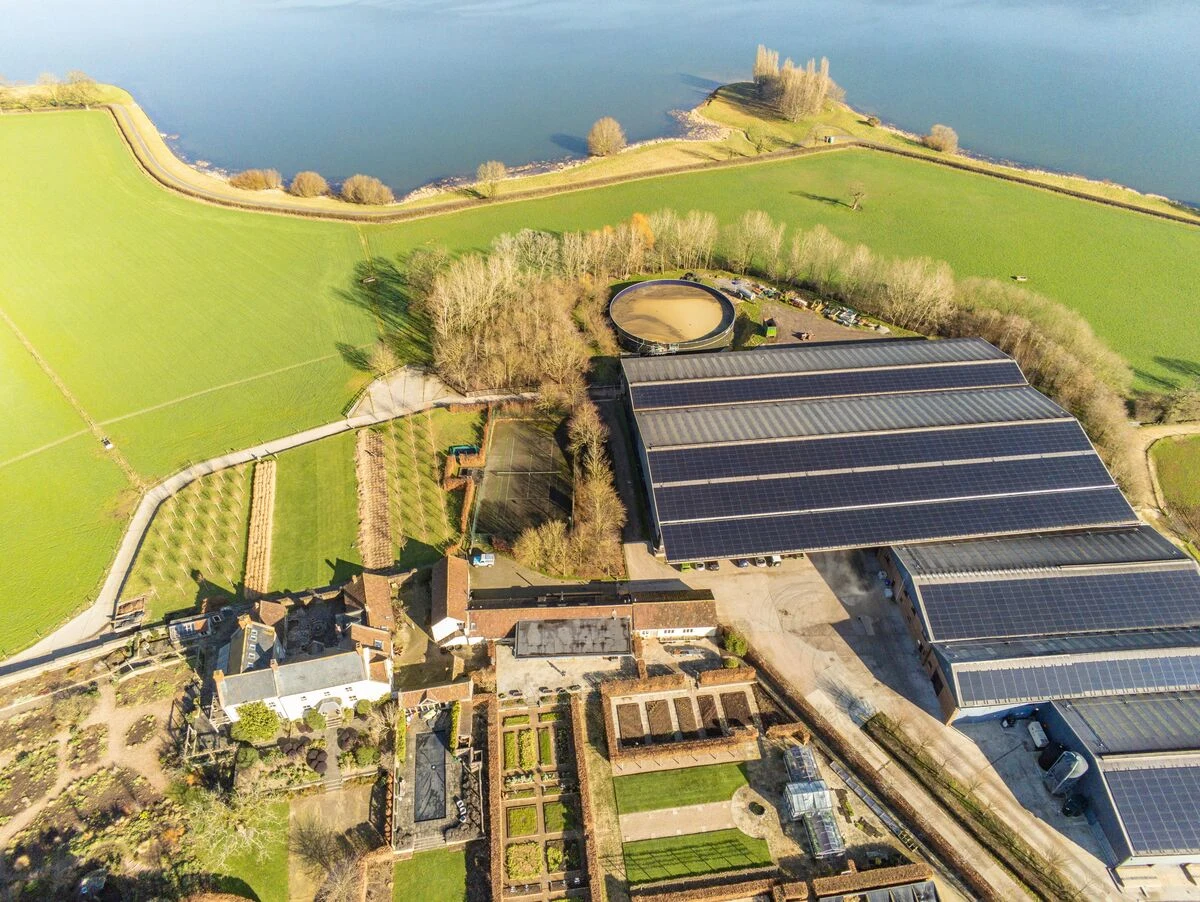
<point x="693" y="854"/>
<point x="196" y="545"/>
<point x="1177" y="462"/>
<point x="184" y="329"/>
<point x="438" y="876"/>
<point x="675" y="788"/>
<point x="315" y="530"/>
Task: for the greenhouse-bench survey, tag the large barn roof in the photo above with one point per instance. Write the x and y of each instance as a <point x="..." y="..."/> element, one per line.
<point x="858" y="444"/>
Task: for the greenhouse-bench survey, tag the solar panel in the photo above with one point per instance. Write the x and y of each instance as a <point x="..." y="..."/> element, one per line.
<point x="698" y="393"/>
<point x="866" y="528"/>
<point x="1064" y="604"/>
<point x="1158" y="807"/>
<point x="924" y="446"/>
<point x="1053" y="678"/>
<point x="839" y="490"/>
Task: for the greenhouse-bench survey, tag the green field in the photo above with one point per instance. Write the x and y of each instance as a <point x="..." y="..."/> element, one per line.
<point x="184" y="329"/>
<point x="316" y="516"/>
<point x="1177" y="462"/>
<point x="675" y="788"/>
<point x="439" y="876"/>
<point x="693" y="854"/>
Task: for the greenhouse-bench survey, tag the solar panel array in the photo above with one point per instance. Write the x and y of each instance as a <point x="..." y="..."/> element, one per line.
<point x="1051" y="677"/>
<point x="1077" y="603"/>
<point x="1158" y="806"/>
<point x="825" y="447"/>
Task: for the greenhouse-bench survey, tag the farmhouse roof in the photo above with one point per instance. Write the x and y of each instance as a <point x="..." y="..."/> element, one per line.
<point x="373" y="594"/>
<point x="270" y="613"/>
<point x="659" y="615"/>
<point x="451" y="582"/>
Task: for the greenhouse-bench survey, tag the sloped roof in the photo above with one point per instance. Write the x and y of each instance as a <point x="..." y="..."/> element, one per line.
<point x="659" y="615"/>
<point x="451" y="583"/>
<point x="373" y="593"/>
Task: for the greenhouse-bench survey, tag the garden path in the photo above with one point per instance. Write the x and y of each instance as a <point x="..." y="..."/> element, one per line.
<point x="702" y="818"/>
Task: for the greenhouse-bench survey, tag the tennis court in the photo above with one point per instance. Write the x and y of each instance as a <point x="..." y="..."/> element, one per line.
<point x="526" y="481"/>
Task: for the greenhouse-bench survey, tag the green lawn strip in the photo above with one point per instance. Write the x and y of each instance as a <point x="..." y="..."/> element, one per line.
<point x="559" y="816"/>
<point x="435" y="876"/>
<point x="521" y="821"/>
<point x="675" y="788"/>
<point x="510" y="751"/>
<point x="1177" y="462"/>
<point x="316" y="515"/>
<point x="546" y="747"/>
<point x="693" y="855"/>
<point x="266" y="878"/>
<point x="516" y="720"/>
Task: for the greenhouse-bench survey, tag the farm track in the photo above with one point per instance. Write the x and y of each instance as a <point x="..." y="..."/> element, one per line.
<point x="374" y="530"/>
<point x="262" y="518"/>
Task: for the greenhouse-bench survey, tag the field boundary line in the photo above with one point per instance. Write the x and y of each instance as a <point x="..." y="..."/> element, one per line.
<point x="215" y="388"/>
<point x="92" y="425"/>
<point x="33" y="452"/>
<point x="153" y="167"/>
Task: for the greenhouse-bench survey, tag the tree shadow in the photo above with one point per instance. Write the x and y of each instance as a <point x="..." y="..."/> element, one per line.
<point x="702" y="85"/>
<point x="380" y="288"/>
<point x="570" y="143"/>
<point x="342" y="571"/>
<point x="207" y="590"/>
<point x="417" y="554"/>
<point x="822" y="198"/>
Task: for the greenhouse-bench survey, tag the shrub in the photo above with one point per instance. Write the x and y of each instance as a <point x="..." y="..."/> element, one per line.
<point x="487" y="175"/>
<point x="730" y="662"/>
<point x="736" y="644"/>
<point x="455" y="719"/>
<point x="523" y="860"/>
<point x="256" y="179"/>
<point x="606" y="137"/>
<point x="527" y="749"/>
<point x="365" y="189"/>
<point x="873" y="121"/>
<point x="308" y="184"/>
<point x="401" y="736"/>
<point x="363" y="708"/>
<point x="943" y="138"/>
<point x="314" y="719"/>
<point x="256" y="723"/>
<point x="521" y="820"/>
<point x="247" y="756"/>
<point x="554" y="858"/>
<point x="366" y="754"/>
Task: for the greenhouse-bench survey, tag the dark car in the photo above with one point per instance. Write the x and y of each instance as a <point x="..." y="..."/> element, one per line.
<point x="741" y="563"/>
<point x="712" y="565"/>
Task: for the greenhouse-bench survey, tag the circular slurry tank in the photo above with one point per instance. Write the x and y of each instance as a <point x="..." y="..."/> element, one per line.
<point x="667" y="315"/>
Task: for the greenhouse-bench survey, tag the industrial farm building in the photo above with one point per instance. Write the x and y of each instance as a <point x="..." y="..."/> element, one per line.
<point x="857" y="444"/>
<point x="1013" y="621"/>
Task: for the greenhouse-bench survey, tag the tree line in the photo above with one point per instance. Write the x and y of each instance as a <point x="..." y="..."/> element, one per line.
<point x="793" y="91"/>
<point x="358" y="189"/>
<point x="49" y="91"/>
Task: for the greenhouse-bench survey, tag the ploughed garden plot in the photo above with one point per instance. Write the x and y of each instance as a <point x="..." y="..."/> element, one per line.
<point x="658" y="713"/>
<point x="693" y="855"/>
<point x="629" y="720"/>
<point x="685" y="713"/>
<point x="708" y="714"/>
<point x="737" y="709"/>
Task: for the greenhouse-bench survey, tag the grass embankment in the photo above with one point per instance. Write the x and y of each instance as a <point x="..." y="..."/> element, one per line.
<point x="439" y="876"/>
<point x="316" y="516"/>
<point x="185" y="329"/>
<point x="1177" y="463"/>
<point x="693" y="855"/>
<point x="675" y="788"/>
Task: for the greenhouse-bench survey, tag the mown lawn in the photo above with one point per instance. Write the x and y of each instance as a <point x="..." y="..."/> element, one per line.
<point x="267" y="878"/>
<point x="1177" y="461"/>
<point x="185" y="329"/>
<point x="316" y="515"/>
<point x="438" y="876"/>
<point x="675" y="788"/>
<point x="693" y="854"/>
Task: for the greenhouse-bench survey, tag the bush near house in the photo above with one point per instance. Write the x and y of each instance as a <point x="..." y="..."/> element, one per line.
<point x="256" y="724"/>
<point x="314" y="719"/>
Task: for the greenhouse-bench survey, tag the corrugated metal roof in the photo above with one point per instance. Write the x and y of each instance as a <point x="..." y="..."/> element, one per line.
<point x="805" y="359"/>
<point x="1019" y="553"/>
<point x="1155" y="722"/>
<point x="839" y="416"/>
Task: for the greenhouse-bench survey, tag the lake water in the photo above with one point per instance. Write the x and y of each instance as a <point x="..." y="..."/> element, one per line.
<point x="416" y="90"/>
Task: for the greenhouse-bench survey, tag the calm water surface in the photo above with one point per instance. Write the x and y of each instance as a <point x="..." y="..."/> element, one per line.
<point x="416" y="90"/>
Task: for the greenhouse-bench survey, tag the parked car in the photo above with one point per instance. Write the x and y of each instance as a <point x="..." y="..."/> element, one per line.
<point x="712" y="565"/>
<point x="774" y="561"/>
<point x="741" y="563"/>
<point x="760" y="562"/>
<point x="483" y="559"/>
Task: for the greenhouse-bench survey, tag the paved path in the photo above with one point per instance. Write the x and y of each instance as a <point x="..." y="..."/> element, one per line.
<point x="405" y="391"/>
<point x="703" y="818"/>
<point x="1148" y="435"/>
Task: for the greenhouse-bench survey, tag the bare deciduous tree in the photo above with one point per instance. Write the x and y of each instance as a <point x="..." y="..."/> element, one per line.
<point x="858" y="193"/>
<point x="766" y="71"/>
<point x="606" y="137"/>
<point x="943" y="138"/>
<point x="308" y="184"/>
<point x="487" y="177"/>
<point x="365" y="189"/>
<point x="256" y="179"/>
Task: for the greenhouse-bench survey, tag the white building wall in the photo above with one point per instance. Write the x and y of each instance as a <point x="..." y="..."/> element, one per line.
<point x="691" y="632"/>
<point x="292" y="707"/>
